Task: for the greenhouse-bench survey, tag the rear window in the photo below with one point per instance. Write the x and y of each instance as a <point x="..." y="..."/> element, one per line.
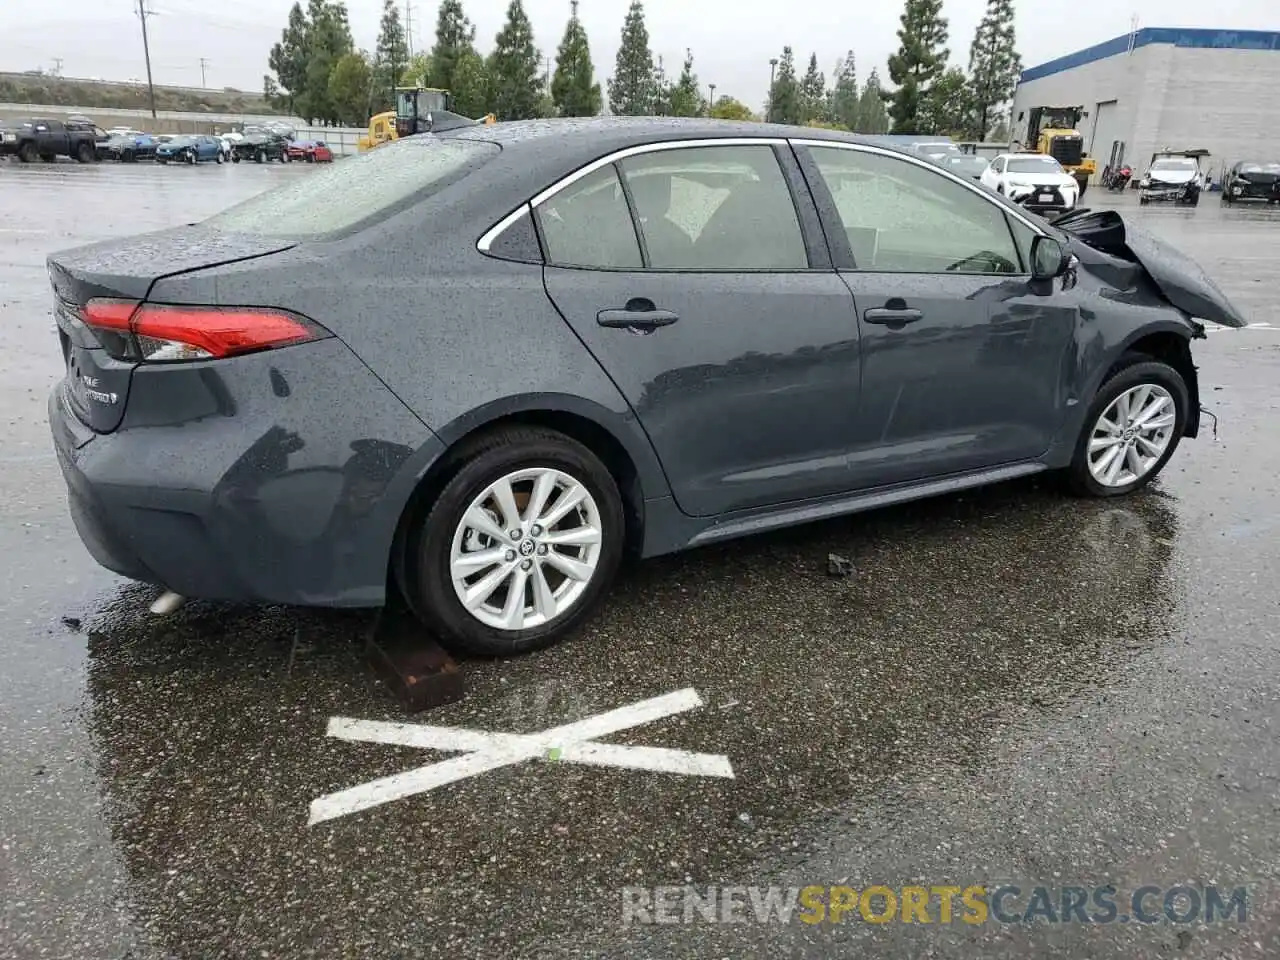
<point x="340" y="196"/>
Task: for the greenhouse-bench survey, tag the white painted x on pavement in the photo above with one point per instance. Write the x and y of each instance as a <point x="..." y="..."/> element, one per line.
<point x="489" y="751"/>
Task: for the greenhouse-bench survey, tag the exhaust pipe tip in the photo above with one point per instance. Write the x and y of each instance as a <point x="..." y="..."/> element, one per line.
<point x="167" y="603"/>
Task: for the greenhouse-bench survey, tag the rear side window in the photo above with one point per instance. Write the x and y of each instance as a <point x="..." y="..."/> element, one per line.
<point x="715" y="208"/>
<point x="588" y="224"/>
<point x="351" y="191"/>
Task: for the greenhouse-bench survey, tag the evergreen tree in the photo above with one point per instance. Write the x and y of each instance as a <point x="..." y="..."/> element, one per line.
<point x="813" y="92"/>
<point x="785" y="101"/>
<point x="328" y="41"/>
<point x="921" y="59"/>
<point x="573" y="89"/>
<point x="946" y="109"/>
<point x="994" y="65"/>
<point x="872" y="117"/>
<point x="727" y="108"/>
<point x="288" y="59"/>
<point x="350" y="89"/>
<point x="844" y="93"/>
<point x="455" y="36"/>
<point x="515" y="83"/>
<point x="417" y="72"/>
<point x="631" y="88"/>
<point x="471" y="95"/>
<point x="686" y="99"/>
<point x="392" y="53"/>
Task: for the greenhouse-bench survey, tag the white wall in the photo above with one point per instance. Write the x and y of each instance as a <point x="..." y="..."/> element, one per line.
<point x="1226" y="101"/>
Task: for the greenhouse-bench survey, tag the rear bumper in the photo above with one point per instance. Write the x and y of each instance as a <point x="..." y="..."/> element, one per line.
<point x="278" y="477"/>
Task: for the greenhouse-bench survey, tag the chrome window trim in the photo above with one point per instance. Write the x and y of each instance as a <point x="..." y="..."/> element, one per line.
<point x="495" y="231"/>
<point x="542" y="197"/>
<point x="880" y="151"/>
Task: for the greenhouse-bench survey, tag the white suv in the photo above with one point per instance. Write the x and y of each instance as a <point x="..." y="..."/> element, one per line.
<point x="1034" y="180"/>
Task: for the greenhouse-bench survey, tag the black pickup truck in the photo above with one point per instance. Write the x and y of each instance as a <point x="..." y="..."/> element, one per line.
<point x="40" y="139"/>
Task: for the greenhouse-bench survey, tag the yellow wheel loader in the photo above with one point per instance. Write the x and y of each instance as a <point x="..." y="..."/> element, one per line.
<point x="1055" y="131"/>
<point x="418" y="110"/>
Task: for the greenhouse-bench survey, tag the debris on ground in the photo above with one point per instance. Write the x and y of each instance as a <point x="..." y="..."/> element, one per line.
<point x="838" y="566"/>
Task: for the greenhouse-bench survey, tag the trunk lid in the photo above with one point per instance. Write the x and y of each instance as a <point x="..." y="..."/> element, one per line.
<point x="1182" y="281"/>
<point x="97" y="383"/>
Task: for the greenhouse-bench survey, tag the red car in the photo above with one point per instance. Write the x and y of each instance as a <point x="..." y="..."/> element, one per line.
<point x="312" y="151"/>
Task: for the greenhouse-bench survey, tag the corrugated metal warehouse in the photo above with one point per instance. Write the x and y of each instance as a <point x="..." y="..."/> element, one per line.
<point x="1161" y="87"/>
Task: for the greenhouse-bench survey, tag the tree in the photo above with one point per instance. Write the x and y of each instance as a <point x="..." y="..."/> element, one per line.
<point x="843" y="107"/>
<point x="813" y="92"/>
<point x="727" y="108"/>
<point x="455" y="36"/>
<point x="631" y="88"/>
<point x="514" y="82"/>
<point x="785" y="104"/>
<point x="288" y="59"/>
<point x="573" y="88"/>
<point x="471" y="96"/>
<point x="350" y="87"/>
<point x="686" y="98"/>
<point x="392" y="53"/>
<point x="1001" y="132"/>
<point x="947" y="108"/>
<point x="994" y="65"/>
<point x="418" y="71"/>
<point x="872" y="117"/>
<point x="328" y="40"/>
<point x="920" y="61"/>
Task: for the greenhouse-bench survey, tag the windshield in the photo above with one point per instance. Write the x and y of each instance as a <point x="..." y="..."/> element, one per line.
<point x="181" y="141"/>
<point x="1174" y="163"/>
<point x="1034" y="165"/>
<point x="967" y="164"/>
<point x="936" y="150"/>
<point x="346" y="194"/>
<point x="1260" y="168"/>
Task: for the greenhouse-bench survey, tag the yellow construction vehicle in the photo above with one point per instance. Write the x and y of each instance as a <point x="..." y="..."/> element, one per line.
<point x="418" y="110"/>
<point x="1054" y="131"/>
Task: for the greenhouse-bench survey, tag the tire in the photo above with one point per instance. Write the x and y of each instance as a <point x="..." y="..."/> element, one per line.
<point x="218" y="158"/>
<point x="85" y="153"/>
<point x="190" y="157"/>
<point x="235" y="158"/>
<point x="261" y="157"/>
<point x="1133" y="371"/>
<point x="428" y="581"/>
<point x="28" y="153"/>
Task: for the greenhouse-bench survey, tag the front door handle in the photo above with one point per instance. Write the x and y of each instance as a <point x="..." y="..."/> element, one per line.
<point x="639" y="314"/>
<point x="892" y="317"/>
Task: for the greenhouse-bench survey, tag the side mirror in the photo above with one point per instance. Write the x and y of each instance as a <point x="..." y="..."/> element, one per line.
<point x="1049" y="258"/>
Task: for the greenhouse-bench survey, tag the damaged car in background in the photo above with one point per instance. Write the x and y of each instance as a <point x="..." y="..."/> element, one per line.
<point x="610" y="337"/>
<point x="1174" y="176"/>
<point x="1252" y="180"/>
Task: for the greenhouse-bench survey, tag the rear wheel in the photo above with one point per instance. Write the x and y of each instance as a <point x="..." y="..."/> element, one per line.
<point x="85" y="153"/>
<point x="218" y="158"/>
<point x="1132" y="428"/>
<point x="262" y="156"/>
<point x="519" y="546"/>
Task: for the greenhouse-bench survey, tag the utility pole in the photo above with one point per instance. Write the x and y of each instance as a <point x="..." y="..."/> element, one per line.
<point x="711" y="104"/>
<point x="547" y="76"/>
<point x="143" y="13"/>
<point x="408" y="30"/>
<point x="203" y="63"/>
<point x="57" y="66"/>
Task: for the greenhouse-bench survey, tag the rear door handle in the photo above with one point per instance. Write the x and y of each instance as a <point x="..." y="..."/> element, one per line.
<point x="639" y="314"/>
<point x="891" y="317"/>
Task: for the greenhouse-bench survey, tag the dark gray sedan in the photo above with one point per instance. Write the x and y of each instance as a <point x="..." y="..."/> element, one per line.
<point x="478" y="367"/>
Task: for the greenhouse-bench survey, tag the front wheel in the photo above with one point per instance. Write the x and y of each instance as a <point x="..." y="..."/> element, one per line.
<point x="218" y="158"/>
<point x="1132" y="428"/>
<point x="85" y="153"/>
<point x="518" y="547"/>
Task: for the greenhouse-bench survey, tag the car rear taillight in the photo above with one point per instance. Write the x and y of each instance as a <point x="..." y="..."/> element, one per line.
<point x="158" y="332"/>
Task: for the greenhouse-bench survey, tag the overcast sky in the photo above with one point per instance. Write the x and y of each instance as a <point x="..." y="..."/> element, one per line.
<point x="732" y="40"/>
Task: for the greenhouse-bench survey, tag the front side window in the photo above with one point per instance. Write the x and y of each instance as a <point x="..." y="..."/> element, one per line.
<point x="901" y="217"/>
<point x="715" y="208"/>
<point x="588" y="224"/>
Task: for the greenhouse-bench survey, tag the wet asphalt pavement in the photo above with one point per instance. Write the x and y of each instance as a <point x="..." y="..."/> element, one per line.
<point x="1012" y="685"/>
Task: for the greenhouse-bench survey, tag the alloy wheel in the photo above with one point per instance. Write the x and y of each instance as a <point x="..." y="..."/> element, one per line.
<point x="526" y="549"/>
<point x="1131" y="435"/>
